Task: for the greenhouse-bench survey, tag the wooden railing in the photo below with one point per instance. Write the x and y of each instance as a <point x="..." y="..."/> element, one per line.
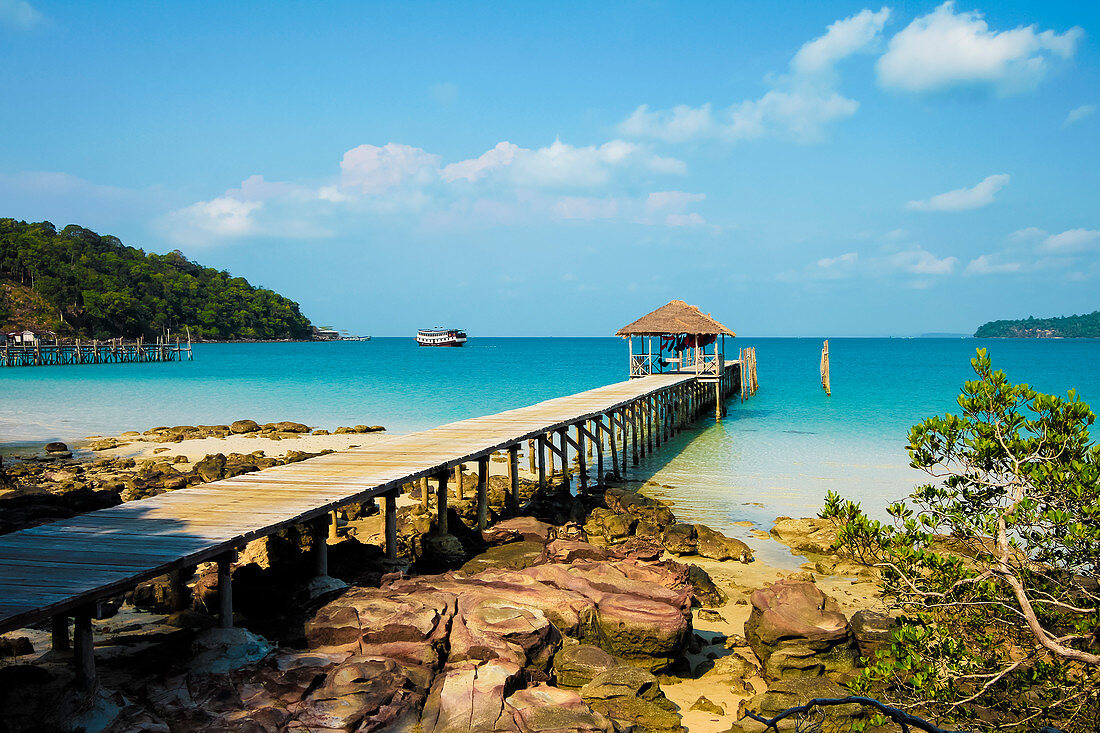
<point x="642" y="365"/>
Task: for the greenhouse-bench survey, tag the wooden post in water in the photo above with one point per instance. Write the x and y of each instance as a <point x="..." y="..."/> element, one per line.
<point x="319" y="531"/>
<point x="513" y="476"/>
<point x="826" y="384"/>
<point x="59" y="636"/>
<point x="582" y="462"/>
<point x="225" y="590"/>
<point x="542" y="462"/>
<point x="391" y="527"/>
<point x="482" y="493"/>
<point x="441" y="502"/>
<point x="563" y="440"/>
<point x="84" y="650"/>
<point x="634" y="432"/>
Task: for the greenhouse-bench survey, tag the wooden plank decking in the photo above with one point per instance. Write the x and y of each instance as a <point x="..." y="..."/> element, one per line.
<point x="58" y="567"/>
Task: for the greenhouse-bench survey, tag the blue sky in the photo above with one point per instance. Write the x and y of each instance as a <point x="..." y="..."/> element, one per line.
<point x="560" y="168"/>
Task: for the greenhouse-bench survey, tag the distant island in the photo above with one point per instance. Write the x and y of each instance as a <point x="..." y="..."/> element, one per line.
<point x="1082" y="326"/>
<point x="80" y="284"/>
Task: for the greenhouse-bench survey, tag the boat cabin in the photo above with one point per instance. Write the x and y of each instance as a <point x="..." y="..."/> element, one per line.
<point x="676" y="338"/>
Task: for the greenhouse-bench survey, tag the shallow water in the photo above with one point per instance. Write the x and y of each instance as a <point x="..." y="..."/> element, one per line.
<point x="777" y="453"/>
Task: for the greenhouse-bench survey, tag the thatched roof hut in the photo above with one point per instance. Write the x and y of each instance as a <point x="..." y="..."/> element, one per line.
<point x="677" y="317"/>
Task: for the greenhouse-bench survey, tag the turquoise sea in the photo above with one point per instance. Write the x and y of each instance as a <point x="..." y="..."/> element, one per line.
<point x="775" y="454"/>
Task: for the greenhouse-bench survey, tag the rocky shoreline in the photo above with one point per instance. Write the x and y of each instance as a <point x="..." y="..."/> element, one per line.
<point x="596" y="612"/>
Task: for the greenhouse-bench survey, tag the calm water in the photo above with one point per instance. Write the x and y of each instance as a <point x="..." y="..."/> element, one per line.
<point x="777" y="453"/>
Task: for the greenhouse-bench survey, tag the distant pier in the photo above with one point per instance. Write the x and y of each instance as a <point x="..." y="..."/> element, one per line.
<point x="115" y="351"/>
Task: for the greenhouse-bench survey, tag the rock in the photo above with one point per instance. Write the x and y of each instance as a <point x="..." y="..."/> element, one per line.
<point x="57" y="447"/>
<point x="641" y="507"/>
<point x="364" y="694"/>
<point x="217" y="651"/>
<point x="706" y="592"/>
<point x="632" y="696"/>
<point x="469" y="698"/>
<point x="545" y="709"/>
<point x="796" y="630"/>
<point x="566" y="551"/>
<point x="443" y="551"/>
<point x="717" y="546"/>
<point x="321" y="585"/>
<point x="15" y="646"/>
<point x="321" y="431"/>
<point x="513" y="556"/>
<point x="872" y="631"/>
<point x="785" y="694"/>
<point x="527" y="528"/>
<point x="291" y="427"/>
<point x="211" y="468"/>
<point x="705" y="614"/>
<point x="706" y="706"/>
<point x="239" y="427"/>
<point x="810" y="535"/>
<point x="575" y="665"/>
<point x="365" y="616"/>
<point x="679" y="539"/>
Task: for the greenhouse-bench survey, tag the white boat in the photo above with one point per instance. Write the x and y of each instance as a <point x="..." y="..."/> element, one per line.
<point x="441" y="337"/>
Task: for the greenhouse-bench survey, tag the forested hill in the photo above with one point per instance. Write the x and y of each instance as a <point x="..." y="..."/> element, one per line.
<point x="79" y="283"/>
<point x="1083" y="326"/>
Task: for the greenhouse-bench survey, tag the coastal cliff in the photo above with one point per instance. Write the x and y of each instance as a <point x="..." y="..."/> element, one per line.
<point x="80" y="284"/>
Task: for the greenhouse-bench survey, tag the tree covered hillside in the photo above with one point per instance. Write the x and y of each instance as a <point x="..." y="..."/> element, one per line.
<point x="86" y="285"/>
<point x="1083" y="326"/>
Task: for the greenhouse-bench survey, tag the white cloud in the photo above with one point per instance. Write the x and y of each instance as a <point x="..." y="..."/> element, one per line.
<point x="963" y="199"/>
<point x="685" y="220"/>
<point x="371" y="169"/>
<point x="1029" y="234"/>
<point x="560" y="164"/>
<point x="1072" y="240"/>
<point x="19" y="14"/>
<point x="798" y="107"/>
<point x="579" y="207"/>
<point x="848" y="258"/>
<point x="220" y="218"/>
<point x="1079" y="113"/>
<point x="842" y="39"/>
<point x="476" y="168"/>
<point x="988" y="265"/>
<point x="946" y="49"/>
<point x="675" y="201"/>
<point x="921" y="262"/>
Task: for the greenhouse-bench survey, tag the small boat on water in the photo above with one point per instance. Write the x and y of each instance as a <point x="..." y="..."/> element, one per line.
<point x="441" y="337"/>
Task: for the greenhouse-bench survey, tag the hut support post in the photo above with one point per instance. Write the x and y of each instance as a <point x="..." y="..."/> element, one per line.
<point x="391" y="525"/>
<point x="424" y="492"/>
<point x="531" y="456"/>
<point x="225" y="591"/>
<point x="513" y="476"/>
<point x="482" y="493"/>
<point x="84" y="650"/>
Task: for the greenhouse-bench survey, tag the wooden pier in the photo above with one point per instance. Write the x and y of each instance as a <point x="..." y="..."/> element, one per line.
<point x="114" y="351"/>
<point x="62" y="569"/>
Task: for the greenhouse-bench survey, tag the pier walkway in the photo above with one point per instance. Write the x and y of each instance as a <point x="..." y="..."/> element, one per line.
<point x="63" y="568"/>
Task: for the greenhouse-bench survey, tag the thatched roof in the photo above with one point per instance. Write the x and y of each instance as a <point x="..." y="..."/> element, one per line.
<point x="675" y="318"/>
